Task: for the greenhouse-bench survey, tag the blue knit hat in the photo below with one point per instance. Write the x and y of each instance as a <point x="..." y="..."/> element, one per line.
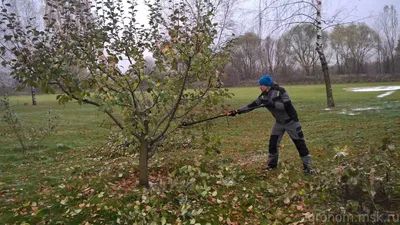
<point x="266" y="80"/>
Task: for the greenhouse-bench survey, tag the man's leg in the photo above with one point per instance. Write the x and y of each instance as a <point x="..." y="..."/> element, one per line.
<point x="296" y="134"/>
<point x="277" y="133"/>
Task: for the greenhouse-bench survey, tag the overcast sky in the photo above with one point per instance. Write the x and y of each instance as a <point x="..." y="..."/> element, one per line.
<point x="362" y="8"/>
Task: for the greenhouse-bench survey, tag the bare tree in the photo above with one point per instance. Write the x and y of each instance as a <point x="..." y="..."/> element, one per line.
<point x="381" y="58"/>
<point x="226" y="11"/>
<point x="284" y="63"/>
<point x="245" y="60"/>
<point x="338" y="45"/>
<point x="324" y="63"/>
<point x="301" y="50"/>
<point x="252" y="57"/>
<point x="224" y="14"/>
<point x="397" y="57"/>
<point x="387" y="24"/>
<point x="354" y="45"/>
<point x="269" y="50"/>
<point x="367" y="42"/>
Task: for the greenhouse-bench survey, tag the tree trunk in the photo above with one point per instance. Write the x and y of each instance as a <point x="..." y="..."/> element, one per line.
<point x="393" y="64"/>
<point x="337" y="63"/>
<point x="327" y="79"/>
<point x="378" y="62"/>
<point x="33" y="96"/>
<point x="324" y="64"/>
<point x="307" y="70"/>
<point x="271" y="70"/>
<point x="387" y="64"/>
<point x="143" y="165"/>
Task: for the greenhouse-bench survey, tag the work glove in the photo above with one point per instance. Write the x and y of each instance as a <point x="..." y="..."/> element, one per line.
<point x="232" y="113"/>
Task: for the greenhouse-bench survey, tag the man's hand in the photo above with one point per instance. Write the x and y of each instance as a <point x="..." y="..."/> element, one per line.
<point x="232" y="113"/>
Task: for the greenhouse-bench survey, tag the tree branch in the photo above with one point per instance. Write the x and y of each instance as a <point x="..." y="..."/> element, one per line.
<point x="88" y="101"/>
<point x="176" y="105"/>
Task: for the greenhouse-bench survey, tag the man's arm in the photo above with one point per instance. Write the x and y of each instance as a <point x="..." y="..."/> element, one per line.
<point x="284" y="96"/>
<point x="249" y="107"/>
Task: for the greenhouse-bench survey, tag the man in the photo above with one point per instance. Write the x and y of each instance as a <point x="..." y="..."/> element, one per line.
<point x="277" y="101"/>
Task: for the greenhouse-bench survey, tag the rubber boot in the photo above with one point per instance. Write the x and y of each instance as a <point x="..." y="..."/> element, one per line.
<point x="272" y="162"/>
<point x="307" y="164"/>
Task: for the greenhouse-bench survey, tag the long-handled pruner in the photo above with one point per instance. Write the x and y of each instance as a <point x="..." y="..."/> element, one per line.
<point x="185" y="124"/>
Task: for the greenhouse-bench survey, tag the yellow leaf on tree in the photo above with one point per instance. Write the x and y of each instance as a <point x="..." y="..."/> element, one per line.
<point x="165" y="49"/>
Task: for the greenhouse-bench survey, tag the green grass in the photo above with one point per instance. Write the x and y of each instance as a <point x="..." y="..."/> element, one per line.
<point x="69" y="165"/>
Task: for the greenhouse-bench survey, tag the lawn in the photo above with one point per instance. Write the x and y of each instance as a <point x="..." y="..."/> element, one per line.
<point x="72" y="179"/>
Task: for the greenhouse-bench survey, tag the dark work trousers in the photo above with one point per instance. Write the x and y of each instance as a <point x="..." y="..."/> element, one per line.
<point x="296" y="134"/>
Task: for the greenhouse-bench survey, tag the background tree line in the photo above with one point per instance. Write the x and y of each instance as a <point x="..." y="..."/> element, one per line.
<point x="356" y="52"/>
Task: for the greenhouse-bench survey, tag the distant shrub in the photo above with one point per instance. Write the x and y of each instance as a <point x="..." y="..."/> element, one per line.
<point x="32" y="137"/>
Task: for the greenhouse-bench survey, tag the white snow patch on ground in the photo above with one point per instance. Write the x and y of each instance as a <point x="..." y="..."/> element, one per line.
<point x="370" y="89"/>
<point x="350" y="113"/>
<point x="355" y="111"/>
<point x="385" y="94"/>
<point x="390" y="90"/>
<point x="363" y="109"/>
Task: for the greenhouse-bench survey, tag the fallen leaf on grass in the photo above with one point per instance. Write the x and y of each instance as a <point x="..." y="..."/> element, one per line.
<point x="35" y="210"/>
<point x="300" y="207"/>
<point x="64" y="201"/>
<point x="308" y="215"/>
